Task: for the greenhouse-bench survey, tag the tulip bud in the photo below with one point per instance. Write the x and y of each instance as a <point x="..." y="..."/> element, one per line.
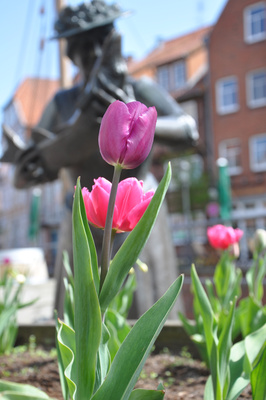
<point x="126" y="133"/>
<point x="235" y="250"/>
<point x="260" y="240"/>
<point x="142" y="266"/>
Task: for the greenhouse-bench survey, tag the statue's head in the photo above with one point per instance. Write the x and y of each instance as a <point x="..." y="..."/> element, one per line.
<point x="76" y="20"/>
<point x="85" y="28"/>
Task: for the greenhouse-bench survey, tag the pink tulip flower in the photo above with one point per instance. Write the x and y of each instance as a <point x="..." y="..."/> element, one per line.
<point x="131" y="203"/>
<point x="221" y="237"/>
<point x="126" y="133"/>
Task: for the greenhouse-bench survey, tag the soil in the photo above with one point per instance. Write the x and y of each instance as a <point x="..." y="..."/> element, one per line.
<point x="182" y="376"/>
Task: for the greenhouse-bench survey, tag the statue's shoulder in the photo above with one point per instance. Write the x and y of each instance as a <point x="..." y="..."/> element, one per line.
<point x="150" y="93"/>
<point x="66" y="101"/>
<point x="70" y="94"/>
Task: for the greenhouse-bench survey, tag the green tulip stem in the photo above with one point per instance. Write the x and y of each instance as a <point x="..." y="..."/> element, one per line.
<point x="107" y="236"/>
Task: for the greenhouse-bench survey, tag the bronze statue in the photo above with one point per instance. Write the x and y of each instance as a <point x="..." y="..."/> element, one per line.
<point x="67" y="134"/>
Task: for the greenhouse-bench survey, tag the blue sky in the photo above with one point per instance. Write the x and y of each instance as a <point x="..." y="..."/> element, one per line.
<point x="22" y="27"/>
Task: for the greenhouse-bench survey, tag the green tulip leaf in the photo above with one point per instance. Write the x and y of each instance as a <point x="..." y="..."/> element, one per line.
<point x="131" y="356"/>
<point x="61" y="369"/>
<point x="208" y="320"/>
<point x="66" y="263"/>
<point x="119" y="329"/>
<point x="216" y="305"/>
<point x="18" y="391"/>
<point x="245" y="357"/>
<point x="142" y="394"/>
<point x="81" y="218"/>
<point x="249" y="315"/>
<point x="238" y="379"/>
<point x="69" y="304"/>
<point x="222" y="275"/>
<point x="5" y="317"/>
<point x="254" y="345"/>
<point x="224" y="347"/>
<point x="124" y="298"/>
<point x="258" y="384"/>
<point x="129" y="252"/>
<point x="205" y="310"/>
<point x="103" y="358"/>
<point x="18" y="396"/>
<point x="67" y="348"/>
<point x="88" y="322"/>
<point x="188" y="324"/>
<point x="208" y="390"/>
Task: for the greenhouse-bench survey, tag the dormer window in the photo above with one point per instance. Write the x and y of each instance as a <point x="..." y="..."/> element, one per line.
<point x="179" y="69"/>
<point x="163" y="77"/>
<point x="255" y="22"/>
<point x="172" y="76"/>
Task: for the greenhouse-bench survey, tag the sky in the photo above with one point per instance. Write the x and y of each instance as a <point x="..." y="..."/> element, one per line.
<point x="23" y="27"/>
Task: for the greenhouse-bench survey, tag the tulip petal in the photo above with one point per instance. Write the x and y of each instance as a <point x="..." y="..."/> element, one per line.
<point x="96" y="201"/>
<point x="131" y="202"/>
<point x="113" y="133"/>
<point x="136" y="213"/>
<point x="221" y="237"/>
<point x="138" y="150"/>
<point x="129" y="193"/>
<point x="89" y="207"/>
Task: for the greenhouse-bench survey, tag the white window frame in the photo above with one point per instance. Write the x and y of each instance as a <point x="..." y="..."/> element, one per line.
<point x="251" y="101"/>
<point x="231" y="153"/>
<point x="179" y="71"/>
<point x="163" y="77"/>
<point x="249" y="37"/>
<point x="255" y="165"/>
<point x="220" y="106"/>
<point x="166" y="76"/>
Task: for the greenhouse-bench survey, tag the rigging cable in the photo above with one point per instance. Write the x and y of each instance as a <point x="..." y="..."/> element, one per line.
<point x="43" y="23"/>
<point x="21" y="56"/>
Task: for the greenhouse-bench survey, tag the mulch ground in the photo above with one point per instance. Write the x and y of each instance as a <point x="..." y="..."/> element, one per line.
<point x="182" y="377"/>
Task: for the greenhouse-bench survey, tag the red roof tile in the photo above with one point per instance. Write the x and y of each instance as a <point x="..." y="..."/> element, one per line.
<point x="171" y="50"/>
<point x="33" y="95"/>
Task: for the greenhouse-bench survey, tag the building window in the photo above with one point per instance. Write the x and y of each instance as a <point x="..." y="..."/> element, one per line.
<point x="172" y="76"/>
<point x="163" y="77"/>
<point x="231" y="150"/>
<point x="179" y="70"/>
<point x="255" y="22"/>
<point x="227" y="95"/>
<point x="257" y="148"/>
<point x="256" y="88"/>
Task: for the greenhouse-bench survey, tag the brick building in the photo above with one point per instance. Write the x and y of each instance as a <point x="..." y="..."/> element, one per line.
<point x="218" y="74"/>
<point x="237" y="104"/>
<point x="179" y="66"/>
<point x="237" y="77"/>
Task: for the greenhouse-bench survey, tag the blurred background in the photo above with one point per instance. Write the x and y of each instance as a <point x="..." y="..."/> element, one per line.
<point x="210" y="55"/>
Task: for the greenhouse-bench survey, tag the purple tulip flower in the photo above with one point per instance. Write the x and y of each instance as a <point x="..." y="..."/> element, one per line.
<point x="126" y="133"/>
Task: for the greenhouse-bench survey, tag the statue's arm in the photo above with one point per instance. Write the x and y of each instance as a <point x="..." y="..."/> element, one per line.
<point x="49" y="118"/>
<point x="173" y="124"/>
<point x="42" y="162"/>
